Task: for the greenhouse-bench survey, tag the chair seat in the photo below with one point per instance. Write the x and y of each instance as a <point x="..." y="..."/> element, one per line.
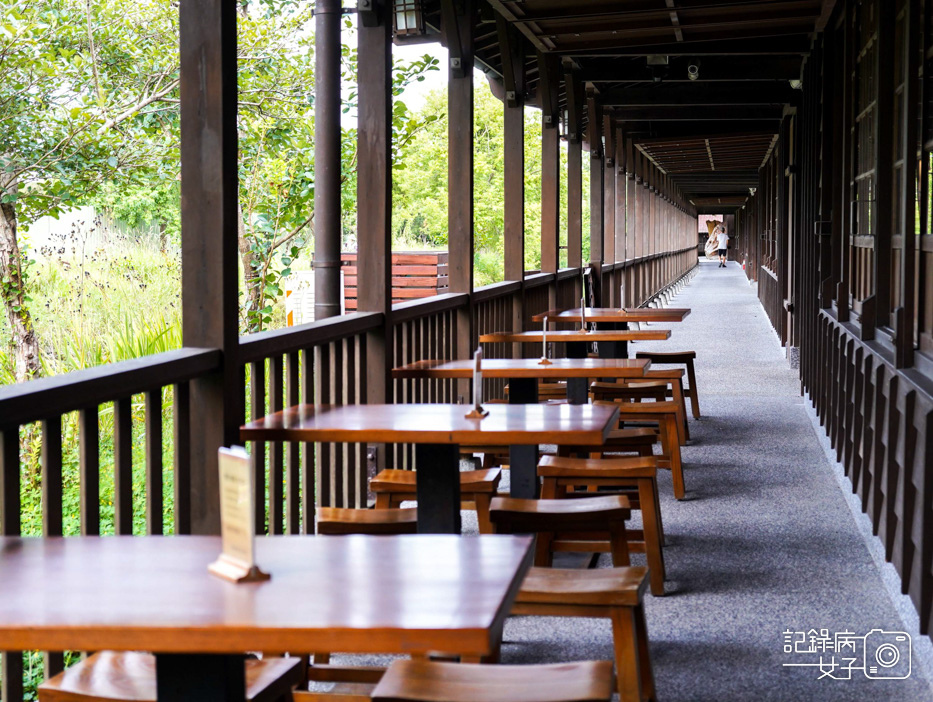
<point x="584" y="586"/>
<point x="655" y="408"/>
<point x="346" y="520"/>
<point x="130" y="676"/>
<point x="564" y="513"/>
<point x="561" y="467"/>
<point x="394" y="480"/>
<point x="422" y="681"/>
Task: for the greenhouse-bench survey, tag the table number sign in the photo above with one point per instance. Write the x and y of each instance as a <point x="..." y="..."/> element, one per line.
<point x="477" y="412"/>
<point x="237" y="560"/>
<point x="544" y="359"/>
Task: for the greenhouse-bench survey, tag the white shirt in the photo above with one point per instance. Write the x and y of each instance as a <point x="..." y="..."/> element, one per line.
<point x="723" y="240"/>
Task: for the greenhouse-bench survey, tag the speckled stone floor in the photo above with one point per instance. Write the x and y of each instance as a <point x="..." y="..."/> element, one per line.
<point x="765" y="542"/>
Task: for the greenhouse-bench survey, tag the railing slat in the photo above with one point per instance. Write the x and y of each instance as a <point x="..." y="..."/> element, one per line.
<point x="11" y="662"/>
<point x="89" y="467"/>
<point x="257" y="391"/>
<point x="182" y="436"/>
<point x="154" y="501"/>
<point x="293" y="456"/>
<point x="276" y="496"/>
<point x="54" y="661"/>
<point x="123" y="466"/>
<point x="308" y="496"/>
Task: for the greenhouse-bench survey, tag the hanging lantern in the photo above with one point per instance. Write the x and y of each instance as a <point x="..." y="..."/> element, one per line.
<point x="409" y="18"/>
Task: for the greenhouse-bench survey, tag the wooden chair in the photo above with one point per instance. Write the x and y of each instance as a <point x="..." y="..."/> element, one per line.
<point x="422" y="681"/>
<point x="596" y="523"/>
<point x="129" y="676"/>
<point x="639" y="390"/>
<point x="548" y="391"/>
<point x="674" y="376"/>
<point x="615" y="593"/>
<point x="640" y="441"/>
<point x="344" y="520"/>
<point x="684" y="358"/>
<point x="561" y="475"/>
<point x="664" y="414"/>
<point x="477" y="488"/>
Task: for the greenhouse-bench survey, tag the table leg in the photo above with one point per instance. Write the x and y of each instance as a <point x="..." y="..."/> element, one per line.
<point x="200" y="677"/>
<point x="578" y="389"/>
<point x="523" y="460"/>
<point x="438" y="488"/>
<point x="613" y="349"/>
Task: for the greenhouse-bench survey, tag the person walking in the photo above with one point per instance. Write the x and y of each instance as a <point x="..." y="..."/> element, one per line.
<point x="722" y="241"/>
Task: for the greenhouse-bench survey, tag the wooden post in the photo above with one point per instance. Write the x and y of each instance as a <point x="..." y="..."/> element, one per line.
<point x="573" y="87"/>
<point x="620" y="184"/>
<point x="374" y="200"/>
<point x="208" y="91"/>
<point x="575" y="204"/>
<point x="609" y="196"/>
<point x="550" y="163"/>
<point x="550" y="201"/>
<point x="458" y="19"/>
<point x="594" y="137"/>
<point x="327" y="164"/>
<point x="513" y="77"/>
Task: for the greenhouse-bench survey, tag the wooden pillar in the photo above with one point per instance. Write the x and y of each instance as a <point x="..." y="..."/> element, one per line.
<point x="210" y="279"/>
<point x="904" y="316"/>
<point x="609" y="194"/>
<point x="513" y="78"/>
<point x="573" y="87"/>
<point x="374" y="195"/>
<point x="548" y="84"/>
<point x="514" y="216"/>
<point x="620" y="193"/>
<point x="458" y="26"/>
<point x="594" y="137"/>
<point x="550" y="197"/>
<point x="327" y="165"/>
<point x="575" y="204"/>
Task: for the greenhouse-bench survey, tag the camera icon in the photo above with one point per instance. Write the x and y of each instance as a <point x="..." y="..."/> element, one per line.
<point x="887" y="655"/>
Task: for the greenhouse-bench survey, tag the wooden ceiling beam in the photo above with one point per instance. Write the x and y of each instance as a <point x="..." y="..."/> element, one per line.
<point x="795" y="44"/>
<point x="698" y="113"/>
<point x="712" y="69"/>
<point x="680" y="94"/>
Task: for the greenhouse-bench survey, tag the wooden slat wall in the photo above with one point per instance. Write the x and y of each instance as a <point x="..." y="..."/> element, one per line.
<point x="861" y="286"/>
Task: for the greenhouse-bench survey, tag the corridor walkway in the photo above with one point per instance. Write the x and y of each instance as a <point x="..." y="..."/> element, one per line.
<point x="765" y="541"/>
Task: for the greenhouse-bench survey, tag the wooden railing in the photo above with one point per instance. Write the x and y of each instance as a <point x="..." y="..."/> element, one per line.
<point x="66" y="417"/>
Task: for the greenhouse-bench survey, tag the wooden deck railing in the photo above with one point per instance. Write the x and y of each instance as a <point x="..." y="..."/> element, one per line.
<point x="321" y="362"/>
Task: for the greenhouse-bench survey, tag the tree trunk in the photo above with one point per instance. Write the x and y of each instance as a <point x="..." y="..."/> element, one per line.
<point x="23" y="334"/>
<point x="250" y="275"/>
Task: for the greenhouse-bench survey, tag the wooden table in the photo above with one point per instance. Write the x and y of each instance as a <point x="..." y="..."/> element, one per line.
<point x="397" y="594"/>
<point x="612" y="318"/>
<point x="437" y="432"/>
<point x="523" y="373"/>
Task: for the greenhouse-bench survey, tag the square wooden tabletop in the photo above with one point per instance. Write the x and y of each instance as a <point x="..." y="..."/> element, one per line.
<point x="583" y="425"/>
<point x="528" y="368"/>
<point x="572" y="335"/>
<point x="616" y="314"/>
<point x="383" y="594"/>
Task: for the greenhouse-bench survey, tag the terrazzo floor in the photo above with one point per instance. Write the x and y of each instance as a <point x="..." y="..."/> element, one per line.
<point x="763" y="544"/>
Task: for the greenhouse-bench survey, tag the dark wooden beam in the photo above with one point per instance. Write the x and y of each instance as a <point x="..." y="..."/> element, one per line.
<point x="209" y="219"/>
<point x="575" y="97"/>
<point x="796" y="44"/>
<point x="711" y="69"/>
<point x="692" y="113"/>
<point x="549" y="87"/>
<point x="458" y="63"/>
<point x="511" y="51"/>
<point x="684" y="94"/>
